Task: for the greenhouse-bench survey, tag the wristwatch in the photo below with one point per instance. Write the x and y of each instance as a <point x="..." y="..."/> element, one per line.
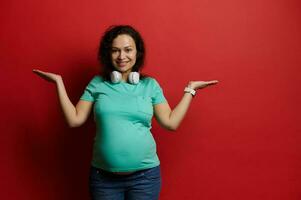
<point x="190" y="90"/>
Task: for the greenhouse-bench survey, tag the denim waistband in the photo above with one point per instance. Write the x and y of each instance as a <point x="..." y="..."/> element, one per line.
<point x="112" y="174"/>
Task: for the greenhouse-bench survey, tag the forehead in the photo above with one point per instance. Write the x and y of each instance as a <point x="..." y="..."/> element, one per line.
<point x="123" y="41"/>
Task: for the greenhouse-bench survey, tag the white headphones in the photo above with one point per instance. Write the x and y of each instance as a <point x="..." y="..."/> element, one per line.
<point x="133" y="78"/>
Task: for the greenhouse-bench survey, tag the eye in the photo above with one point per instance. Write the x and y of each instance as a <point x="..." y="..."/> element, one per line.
<point x="128" y="50"/>
<point x="114" y="50"/>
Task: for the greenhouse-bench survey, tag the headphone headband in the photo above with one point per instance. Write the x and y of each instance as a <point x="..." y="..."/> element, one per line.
<point x="133" y="78"/>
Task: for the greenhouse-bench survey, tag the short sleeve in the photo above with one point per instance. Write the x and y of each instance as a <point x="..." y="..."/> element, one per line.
<point x="88" y="94"/>
<point x="158" y="96"/>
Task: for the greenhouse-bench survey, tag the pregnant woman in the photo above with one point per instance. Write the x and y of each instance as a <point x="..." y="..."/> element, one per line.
<point x="125" y="164"/>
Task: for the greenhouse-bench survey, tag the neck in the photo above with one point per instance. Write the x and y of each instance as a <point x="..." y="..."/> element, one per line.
<point x="125" y="75"/>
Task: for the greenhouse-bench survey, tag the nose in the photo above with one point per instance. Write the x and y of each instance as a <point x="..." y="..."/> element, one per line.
<point x="121" y="55"/>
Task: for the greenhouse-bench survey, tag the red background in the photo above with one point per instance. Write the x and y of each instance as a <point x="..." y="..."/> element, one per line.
<point x="240" y="139"/>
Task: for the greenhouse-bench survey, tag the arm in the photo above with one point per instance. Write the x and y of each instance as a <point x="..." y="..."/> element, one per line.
<point x="171" y="119"/>
<point x="75" y="115"/>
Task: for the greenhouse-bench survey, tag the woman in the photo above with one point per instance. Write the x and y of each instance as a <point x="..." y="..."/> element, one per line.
<point x="125" y="164"/>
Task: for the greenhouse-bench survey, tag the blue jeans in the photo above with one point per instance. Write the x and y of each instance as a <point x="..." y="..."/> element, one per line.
<point x="140" y="185"/>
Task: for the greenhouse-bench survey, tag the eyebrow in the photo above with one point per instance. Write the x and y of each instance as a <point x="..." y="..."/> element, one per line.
<point x="123" y="47"/>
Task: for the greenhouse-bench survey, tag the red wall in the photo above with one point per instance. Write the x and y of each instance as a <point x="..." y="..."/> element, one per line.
<point x="241" y="138"/>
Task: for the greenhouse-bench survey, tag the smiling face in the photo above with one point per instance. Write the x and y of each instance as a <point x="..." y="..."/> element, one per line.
<point x="123" y="53"/>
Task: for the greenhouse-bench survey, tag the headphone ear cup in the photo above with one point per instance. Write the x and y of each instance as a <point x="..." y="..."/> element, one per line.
<point x="134" y="78"/>
<point x="116" y="77"/>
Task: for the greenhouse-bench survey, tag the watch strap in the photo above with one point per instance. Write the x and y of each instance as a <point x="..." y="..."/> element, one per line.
<point x="190" y="90"/>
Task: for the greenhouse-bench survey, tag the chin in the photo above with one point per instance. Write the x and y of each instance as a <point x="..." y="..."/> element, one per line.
<point x="123" y="69"/>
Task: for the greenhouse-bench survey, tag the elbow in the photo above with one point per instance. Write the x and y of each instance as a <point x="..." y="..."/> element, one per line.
<point x="74" y="124"/>
<point x="172" y="128"/>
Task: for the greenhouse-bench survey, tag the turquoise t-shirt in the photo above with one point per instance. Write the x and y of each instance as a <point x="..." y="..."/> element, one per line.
<point x="123" y="114"/>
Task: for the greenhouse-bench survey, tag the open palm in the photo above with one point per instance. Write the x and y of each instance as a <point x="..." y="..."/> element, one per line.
<point x="47" y="75"/>
<point x="201" y="84"/>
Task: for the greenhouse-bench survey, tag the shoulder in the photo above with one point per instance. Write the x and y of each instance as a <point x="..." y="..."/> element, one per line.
<point x="95" y="82"/>
<point x="151" y="83"/>
<point x="97" y="78"/>
<point x="150" y="80"/>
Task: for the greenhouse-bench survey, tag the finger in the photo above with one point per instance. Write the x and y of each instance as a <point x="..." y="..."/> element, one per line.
<point x="38" y="71"/>
<point x="43" y="72"/>
<point x="212" y="82"/>
<point x="43" y="75"/>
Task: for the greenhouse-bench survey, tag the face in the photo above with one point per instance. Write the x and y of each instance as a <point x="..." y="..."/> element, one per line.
<point x="123" y="53"/>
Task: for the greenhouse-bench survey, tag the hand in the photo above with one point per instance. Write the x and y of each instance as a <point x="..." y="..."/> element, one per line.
<point x="51" y="77"/>
<point x="201" y="84"/>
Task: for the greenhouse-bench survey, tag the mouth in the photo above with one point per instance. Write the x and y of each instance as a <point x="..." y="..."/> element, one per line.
<point x="122" y="64"/>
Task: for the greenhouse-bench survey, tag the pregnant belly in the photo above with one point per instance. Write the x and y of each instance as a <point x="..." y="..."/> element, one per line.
<point x="124" y="153"/>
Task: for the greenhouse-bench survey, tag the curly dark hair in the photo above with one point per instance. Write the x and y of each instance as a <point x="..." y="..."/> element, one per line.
<point x="105" y="47"/>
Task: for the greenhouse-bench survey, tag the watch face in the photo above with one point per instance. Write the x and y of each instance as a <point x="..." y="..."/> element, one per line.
<point x="189" y="90"/>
